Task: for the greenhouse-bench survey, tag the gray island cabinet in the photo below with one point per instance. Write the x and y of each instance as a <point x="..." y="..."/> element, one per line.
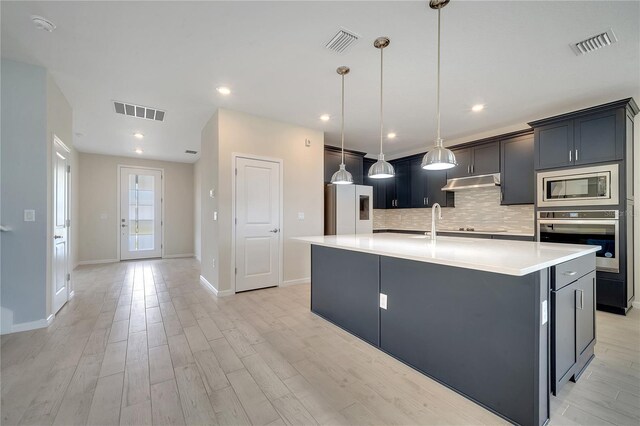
<point x="476" y="315"/>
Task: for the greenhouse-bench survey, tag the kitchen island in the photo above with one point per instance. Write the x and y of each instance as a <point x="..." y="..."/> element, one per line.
<point x="471" y="313"/>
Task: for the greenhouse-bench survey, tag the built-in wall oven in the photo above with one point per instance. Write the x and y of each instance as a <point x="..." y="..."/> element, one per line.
<point x="584" y="186"/>
<point x="590" y="227"/>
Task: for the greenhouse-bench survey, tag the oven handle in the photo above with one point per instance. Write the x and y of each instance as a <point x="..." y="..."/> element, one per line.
<point x="578" y="222"/>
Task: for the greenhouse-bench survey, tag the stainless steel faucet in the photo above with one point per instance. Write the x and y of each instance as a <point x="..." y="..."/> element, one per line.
<point x="433" y="219"/>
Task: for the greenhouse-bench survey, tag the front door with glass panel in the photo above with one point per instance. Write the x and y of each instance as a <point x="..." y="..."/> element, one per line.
<point x="140" y="213"/>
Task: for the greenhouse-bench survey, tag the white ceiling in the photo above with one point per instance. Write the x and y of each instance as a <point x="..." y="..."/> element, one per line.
<point x="513" y="56"/>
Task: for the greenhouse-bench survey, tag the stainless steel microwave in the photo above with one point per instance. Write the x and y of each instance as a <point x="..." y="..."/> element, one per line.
<point x="584" y="186"/>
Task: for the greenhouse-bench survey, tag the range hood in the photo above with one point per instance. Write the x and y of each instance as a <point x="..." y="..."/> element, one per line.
<point x="471" y="182"/>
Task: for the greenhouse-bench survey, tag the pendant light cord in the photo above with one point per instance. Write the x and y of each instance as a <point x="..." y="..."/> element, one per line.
<point x="342" y="125"/>
<point x="438" y="139"/>
<point x="381" y="80"/>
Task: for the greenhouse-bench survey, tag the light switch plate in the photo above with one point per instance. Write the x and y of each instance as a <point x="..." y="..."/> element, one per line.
<point x="215" y="215"/>
<point x="300" y="215"/>
<point x="383" y="301"/>
<point x="29" y="215"/>
<point x="307" y="142"/>
<point x="212" y="193"/>
<point x="545" y="313"/>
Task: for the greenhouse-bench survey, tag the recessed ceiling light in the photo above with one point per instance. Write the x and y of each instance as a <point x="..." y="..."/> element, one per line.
<point x="43" y="23"/>
<point x="138" y="135"/>
<point x="391" y="135"/>
<point x="223" y="90"/>
<point x="139" y="151"/>
<point x="325" y="117"/>
<point x="477" y="107"/>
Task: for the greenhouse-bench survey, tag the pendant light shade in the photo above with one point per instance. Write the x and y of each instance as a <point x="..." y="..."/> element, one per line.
<point x="439" y="158"/>
<point x="381" y="169"/>
<point x="342" y="176"/>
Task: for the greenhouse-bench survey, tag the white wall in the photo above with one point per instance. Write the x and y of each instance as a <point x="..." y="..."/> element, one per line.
<point x="209" y="239"/>
<point x="231" y="132"/>
<point x="636" y="210"/>
<point x="33" y="109"/>
<point x="197" y="207"/>
<point x="98" y="197"/>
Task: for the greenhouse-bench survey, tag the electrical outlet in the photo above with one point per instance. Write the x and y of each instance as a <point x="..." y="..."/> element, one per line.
<point x="383" y="301"/>
<point x="300" y="215"/>
<point x="215" y="215"/>
<point x="213" y="262"/>
<point x="307" y="142"/>
<point x="212" y="193"/>
<point x="29" y="215"/>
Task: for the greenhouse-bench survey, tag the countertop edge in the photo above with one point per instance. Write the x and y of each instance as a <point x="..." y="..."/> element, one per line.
<point x="477" y="267"/>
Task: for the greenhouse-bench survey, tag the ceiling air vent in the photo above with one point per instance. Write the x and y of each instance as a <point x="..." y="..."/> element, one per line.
<point x="342" y="41"/>
<point x="594" y="43"/>
<point x="188" y="151"/>
<point x="138" y="111"/>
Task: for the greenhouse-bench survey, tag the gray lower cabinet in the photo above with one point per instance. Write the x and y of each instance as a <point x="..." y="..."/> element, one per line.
<point x="573" y="332"/>
<point x="349" y="293"/>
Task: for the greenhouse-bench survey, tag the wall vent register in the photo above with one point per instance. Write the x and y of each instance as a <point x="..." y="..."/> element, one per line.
<point x="138" y="111"/>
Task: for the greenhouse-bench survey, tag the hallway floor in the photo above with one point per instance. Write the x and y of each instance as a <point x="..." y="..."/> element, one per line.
<point x="143" y="342"/>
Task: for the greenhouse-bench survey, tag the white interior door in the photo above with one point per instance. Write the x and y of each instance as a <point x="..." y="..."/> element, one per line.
<point x="140" y="213"/>
<point x="258" y="224"/>
<point x="60" y="262"/>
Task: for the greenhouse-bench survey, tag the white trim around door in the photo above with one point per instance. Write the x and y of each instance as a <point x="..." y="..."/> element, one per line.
<point x="234" y="159"/>
<point x="60" y="280"/>
<point x="159" y="253"/>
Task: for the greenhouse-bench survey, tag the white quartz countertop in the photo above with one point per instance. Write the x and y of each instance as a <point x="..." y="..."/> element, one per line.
<point x="500" y="256"/>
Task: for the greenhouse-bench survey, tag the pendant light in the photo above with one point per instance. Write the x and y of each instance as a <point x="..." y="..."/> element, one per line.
<point x="439" y="158"/>
<point x="381" y="169"/>
<point x="342" y="176"/>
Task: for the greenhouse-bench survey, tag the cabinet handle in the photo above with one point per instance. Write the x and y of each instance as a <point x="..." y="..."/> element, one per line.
<point x="424" y="201"/>
<point x="570" y="273"/>
<point x="576" y="154"/>
<point x="427" y="200"/>
<point x="469" y="169"/>
<point x="472" y="168"/>
<point x="581" y="299"/>
<point x="570" y="152"/>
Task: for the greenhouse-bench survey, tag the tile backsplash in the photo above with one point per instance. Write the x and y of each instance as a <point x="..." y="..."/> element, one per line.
<point x="478" y="208"/>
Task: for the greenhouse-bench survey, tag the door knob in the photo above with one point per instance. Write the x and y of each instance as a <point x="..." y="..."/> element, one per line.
<point x="57" y="236"/>
<point x="124" y="225"/>
<point x="275" y="230"/>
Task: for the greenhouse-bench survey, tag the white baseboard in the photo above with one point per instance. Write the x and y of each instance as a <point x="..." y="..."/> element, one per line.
<point x="97" y="261"/>
<point x="636" y="304"/>
<point x="71" y="294"/>
<point x="287" y="283"/>
<point x="177" y="256"/>
<point x="214" y="290"/>
<point x="31" y="325"/>
<point x="198" y="258"/>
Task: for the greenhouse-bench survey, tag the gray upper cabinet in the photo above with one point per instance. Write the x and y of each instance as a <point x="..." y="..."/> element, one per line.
<point x="554" y="145"/>
<point x="596" y="138"/>
<point x="353" y="162"/>
<point x="486" y="159"/>
<point x="463" y="169"/>
<point x="477" y="160"/>
<point x="584" y="137"/>
<point x="426" y="186"/>
<point x="516" y="170"/>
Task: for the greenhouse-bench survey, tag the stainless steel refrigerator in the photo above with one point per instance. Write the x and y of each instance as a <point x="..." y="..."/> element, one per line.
<point x="348" y="209"/>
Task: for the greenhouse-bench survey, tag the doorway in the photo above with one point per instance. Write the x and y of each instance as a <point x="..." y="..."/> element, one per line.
<point x="258" y="233"/>
<point x="60" y="273"/>
<point x="140" y="224"/>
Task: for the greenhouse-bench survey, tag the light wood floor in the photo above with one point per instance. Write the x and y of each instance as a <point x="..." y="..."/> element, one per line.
<point x="143" y="342"/>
